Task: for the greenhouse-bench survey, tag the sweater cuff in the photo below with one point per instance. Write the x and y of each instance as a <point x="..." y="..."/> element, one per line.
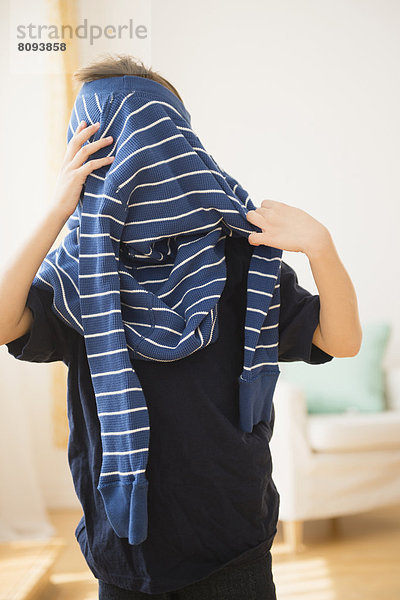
<point x="126" y="508"/>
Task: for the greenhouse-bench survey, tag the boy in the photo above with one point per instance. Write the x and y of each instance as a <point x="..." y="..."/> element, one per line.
<point x="212" y="504"/>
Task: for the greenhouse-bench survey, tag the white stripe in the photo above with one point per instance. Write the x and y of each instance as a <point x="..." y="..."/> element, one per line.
<point x="209" y="265"/>
<point x="202" y="239"/>
<point x="134" y="132"/>
<point x="152" y="202"/>
<point x="257" y="310"/>
<point x="196" y="288"/>
<point x="201" y="300"/>
<point x="103" y="196"/>
<point x="44" y="281"/>
<point x="265" y="258"/>
<point x="171" y="347"/>
<point x="98" y="103"/>
<point x="163" y="141"/>
<point x="65" y="272"/>
<point x="86" y="110"/>
<point x="104" y="433"/>
<point x="261" y="346"/>
<point x="97" y="254"/>
<point x="125" y="453"/>
<point x="89" y="335"/>
<point x="116" y="310"/>
<point x="213" y="325"/>
<point x="262" y="274"/>
<point x="186" y="129"/>
<point x="151" y="266"/>
<point x="123" y="473"/>
<point x="160" y="237"/>
<point x="258" y="292"/>
<point x="121" y="412"/>
<point x="163" y="162"/>
<point x="113" y="393"/>
<point x="155" y="326"/>
<point x="140" y="109"/>
<point x="191" y="257"/>
<point x="107" y="353"/>
<point x="97" y="176"/>
<point x="63" y="293"/>
<point x="181" y="216"/>
<point x="64" y="319"/>
<point x="100" y="294"/>
<point x="200" y="312"/>
<point x="153" y="281"/>
<point x="66" y="251"/>
<point x="99" y="235"/>
<point x="267" y="346"/>
<point x="115" y="114"/>
<point x="251" y="329"/>
<point x="105" y="215"/>
<point x="99" y="274"/>
<point x="112" y="372"/>
<point x="153" y="183"/>
<point x="160" y="359"/>
<point x="76" y="115"/>
<point x="259" y="365"/>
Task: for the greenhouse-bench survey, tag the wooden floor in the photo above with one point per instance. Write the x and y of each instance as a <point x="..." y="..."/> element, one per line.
<point x="352" y="558"/>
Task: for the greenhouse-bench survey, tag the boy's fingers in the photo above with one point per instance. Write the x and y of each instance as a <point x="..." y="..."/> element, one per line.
<point x="89" y="149"/>
<point x="255" y="218"/>
<point x="81" y="125"/>
<point x="96" y="163"/>
<point x="255" y="239"/>
<point x="81" y="136"/>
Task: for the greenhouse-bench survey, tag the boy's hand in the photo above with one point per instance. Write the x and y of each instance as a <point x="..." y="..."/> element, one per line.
<point x="73" y="172"/>
<point x="286" y="227"/>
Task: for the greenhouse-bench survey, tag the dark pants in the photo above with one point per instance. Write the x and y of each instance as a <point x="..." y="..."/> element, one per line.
<point x="249" y="581"/>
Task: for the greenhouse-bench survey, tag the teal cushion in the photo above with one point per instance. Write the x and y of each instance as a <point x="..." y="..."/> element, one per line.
<point x="354" y="383"/>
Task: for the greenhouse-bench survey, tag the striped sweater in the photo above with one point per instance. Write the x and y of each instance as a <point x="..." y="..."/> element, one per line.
<point x="142" y="267"/>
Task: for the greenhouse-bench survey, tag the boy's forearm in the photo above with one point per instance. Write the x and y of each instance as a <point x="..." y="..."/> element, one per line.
<point x="339" y="332"/>
<point x="17" y="277"/>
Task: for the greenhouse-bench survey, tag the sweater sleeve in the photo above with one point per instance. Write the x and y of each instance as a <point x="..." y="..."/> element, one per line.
<point x="299" y="309"/>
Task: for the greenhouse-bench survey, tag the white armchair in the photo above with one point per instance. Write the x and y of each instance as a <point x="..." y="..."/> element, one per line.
<point x="328" y="465"/>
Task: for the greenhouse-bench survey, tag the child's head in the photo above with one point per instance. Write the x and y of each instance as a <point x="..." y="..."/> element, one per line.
<point x="118" y="65"/>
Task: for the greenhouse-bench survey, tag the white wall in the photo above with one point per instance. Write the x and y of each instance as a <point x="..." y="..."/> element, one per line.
<point x="297" y="99"/>
<point x="26" y="183"/>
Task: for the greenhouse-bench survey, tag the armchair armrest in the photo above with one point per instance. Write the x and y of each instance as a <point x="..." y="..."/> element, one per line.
<point x="292" y="457"/>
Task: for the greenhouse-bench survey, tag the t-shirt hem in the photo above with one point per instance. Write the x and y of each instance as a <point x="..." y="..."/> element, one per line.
<point x="159" y="586"/>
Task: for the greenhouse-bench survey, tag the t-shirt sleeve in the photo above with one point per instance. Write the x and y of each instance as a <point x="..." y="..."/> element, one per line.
<point x="298" y="319"/>
<point x="48" y="338"/>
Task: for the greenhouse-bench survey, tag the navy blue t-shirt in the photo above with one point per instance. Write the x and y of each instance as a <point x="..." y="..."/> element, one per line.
<point x="211" y="497"/>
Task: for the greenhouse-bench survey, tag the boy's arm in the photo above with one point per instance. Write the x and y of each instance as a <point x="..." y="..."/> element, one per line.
<point x="339" y="331"/>
<point x="16" y="280"/>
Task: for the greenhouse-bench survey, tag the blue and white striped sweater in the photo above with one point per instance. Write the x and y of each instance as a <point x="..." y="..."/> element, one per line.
<point x="141" y="270"/>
